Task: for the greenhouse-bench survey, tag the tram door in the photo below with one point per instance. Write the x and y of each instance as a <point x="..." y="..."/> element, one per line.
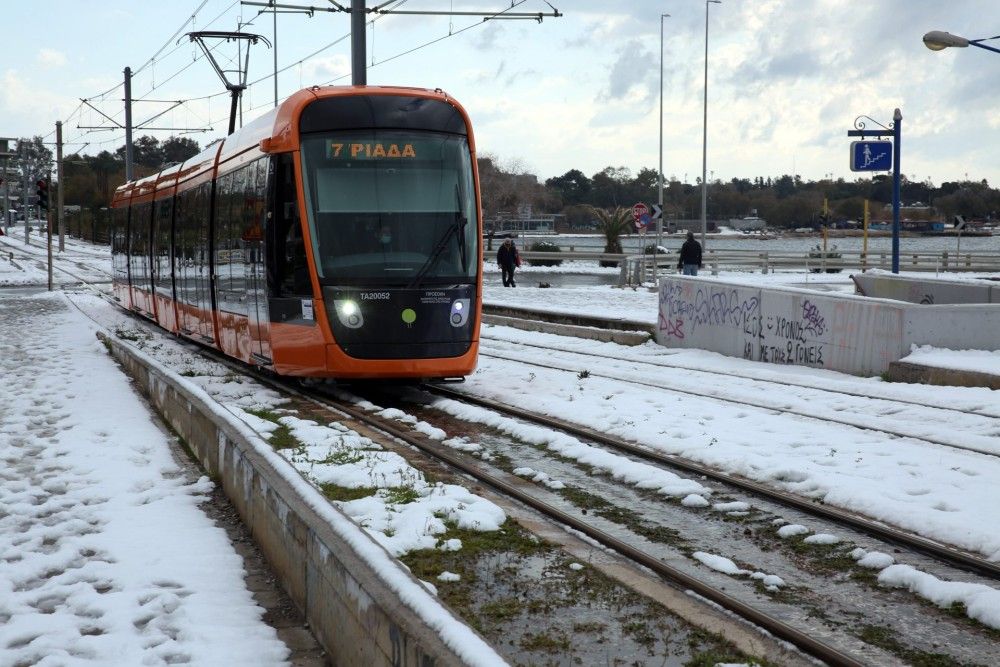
<point x="191" y="262"/>
<point x="252" y="240"/>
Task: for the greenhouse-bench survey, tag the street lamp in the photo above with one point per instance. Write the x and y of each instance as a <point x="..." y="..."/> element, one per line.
<point x="704" y="136"/>
<point x="938" y="40"/>
<point x="659" y="221"/>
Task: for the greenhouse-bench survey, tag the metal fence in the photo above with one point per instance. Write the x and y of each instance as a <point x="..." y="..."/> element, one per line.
<point x="639" y="269"/>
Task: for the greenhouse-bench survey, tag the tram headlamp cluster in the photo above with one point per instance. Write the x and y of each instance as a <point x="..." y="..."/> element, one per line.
<point x="349" y="313"/>
<point x="459" y="312"/>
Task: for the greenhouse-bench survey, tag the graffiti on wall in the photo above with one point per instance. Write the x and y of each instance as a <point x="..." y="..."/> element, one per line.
<point x="705" y="306"/>
<point x="690" y="313"/>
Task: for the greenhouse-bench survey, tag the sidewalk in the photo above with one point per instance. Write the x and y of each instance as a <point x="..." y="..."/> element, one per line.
<point x="106" y="556"/>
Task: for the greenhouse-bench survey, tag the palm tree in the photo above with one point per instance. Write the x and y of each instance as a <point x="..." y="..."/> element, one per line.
<point x="612" y="223"/>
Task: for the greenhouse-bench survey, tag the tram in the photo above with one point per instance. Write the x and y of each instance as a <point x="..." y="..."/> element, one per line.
<point x="337" y="236"/>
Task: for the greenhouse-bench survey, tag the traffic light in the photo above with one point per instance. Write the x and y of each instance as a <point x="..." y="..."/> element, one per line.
<point x="43" y="194"/>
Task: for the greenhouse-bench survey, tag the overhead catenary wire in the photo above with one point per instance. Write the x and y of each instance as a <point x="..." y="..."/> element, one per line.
<point x="209" y="125"/>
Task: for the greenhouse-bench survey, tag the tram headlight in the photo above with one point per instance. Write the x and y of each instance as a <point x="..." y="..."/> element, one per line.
<point x="349" y="313"/>
<point x="459" y="312"/>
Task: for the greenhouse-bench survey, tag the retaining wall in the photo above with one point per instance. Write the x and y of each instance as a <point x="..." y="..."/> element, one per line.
<point x="358" y="600"/>
<point x="841" y="332"/>
<point x="927" y="291"/>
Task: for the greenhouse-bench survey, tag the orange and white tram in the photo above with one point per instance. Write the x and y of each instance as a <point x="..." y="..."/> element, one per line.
<point x="339" y="235"/>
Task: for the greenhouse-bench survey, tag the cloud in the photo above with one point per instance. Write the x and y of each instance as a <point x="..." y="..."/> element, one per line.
<point x="321" y="70"/>
<point x="51" y="58"/>
<point x="632" y="74"/>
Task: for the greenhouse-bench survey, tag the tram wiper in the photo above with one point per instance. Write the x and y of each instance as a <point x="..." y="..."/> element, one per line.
<point x="455" y="228"/>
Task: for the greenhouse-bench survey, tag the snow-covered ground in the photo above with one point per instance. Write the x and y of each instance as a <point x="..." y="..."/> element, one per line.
<point x="933" y="490"/>
<point x="106" y="557"/>
<point x="981" y="361"/>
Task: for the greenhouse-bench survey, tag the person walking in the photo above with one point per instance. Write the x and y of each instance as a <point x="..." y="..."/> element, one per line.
<point x="690" y="260"/>
<point x="508" y="259"/>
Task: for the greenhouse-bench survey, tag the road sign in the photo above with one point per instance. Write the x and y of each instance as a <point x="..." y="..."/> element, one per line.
<point x="657" y="212"/>
<point x="642" y="222"/>
<point x="871" y="155"/>
<point x="959" y="223"/>
<point x="638" y="210"/>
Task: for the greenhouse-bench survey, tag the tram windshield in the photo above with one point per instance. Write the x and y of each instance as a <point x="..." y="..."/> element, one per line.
<point x="390" y="207"/>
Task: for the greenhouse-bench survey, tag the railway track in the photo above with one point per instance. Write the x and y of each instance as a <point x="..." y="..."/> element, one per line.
<point x="756" y="392"/>
<point x="943" y="553"/>
<point x="802" y="639"/>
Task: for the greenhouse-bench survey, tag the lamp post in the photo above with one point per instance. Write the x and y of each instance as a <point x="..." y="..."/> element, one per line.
<point x="659" y="199"/>
<point x="938" y="40"/>
<point x="704" y="136"/>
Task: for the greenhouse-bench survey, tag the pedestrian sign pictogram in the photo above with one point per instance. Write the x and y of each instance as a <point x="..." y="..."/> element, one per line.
<point x="871" y="155"/>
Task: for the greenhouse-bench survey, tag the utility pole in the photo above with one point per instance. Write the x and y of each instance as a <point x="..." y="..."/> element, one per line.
<point x="128" y="124"/>
<point x="6" y="155"/>
<point x="60" y="214"/>
<point x="48" y="226"/>
<point x="359" y="73"/>
<point x="21" y="149"/>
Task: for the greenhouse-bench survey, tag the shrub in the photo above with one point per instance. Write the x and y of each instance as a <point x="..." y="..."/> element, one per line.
<point x="544" y="246"/>
<point x="817" y="253"/>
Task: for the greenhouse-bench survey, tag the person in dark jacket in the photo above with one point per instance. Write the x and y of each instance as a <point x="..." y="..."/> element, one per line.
<point x="508" y="260"/>
<point x="690" y="260"/>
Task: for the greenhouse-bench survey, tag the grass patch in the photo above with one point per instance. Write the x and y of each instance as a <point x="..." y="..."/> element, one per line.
<point x="552" y="641"/>
<point x="344" y="494"/>
<point x="401" y="495"/>
<point x="503" y="609"/>
<point x="709" y="649"/>
<point x="281" y="437"/>
<point x="886" y="638"/>
<point x="588" y="502"/>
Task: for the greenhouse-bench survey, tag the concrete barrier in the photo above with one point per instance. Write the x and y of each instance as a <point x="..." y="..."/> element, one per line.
<point x="841" y="332"/>
<point x="358" y="600"/>
<point x="619" y="324"/>
<point x="926" y="291"/>
<point x="905" y="371"/>
<point x="590" y="333"/>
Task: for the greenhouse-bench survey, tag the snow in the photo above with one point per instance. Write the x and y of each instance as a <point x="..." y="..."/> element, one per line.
<point x="980" y="361"/>
<point x="981" y="602"/>
<point x="107" y="558"/>
<point x="726" y="566"/>
<point x="675" y="408"/>
<point x="874" y="560"/>
<point x="792" y="530"/>
<point x="822" y="538"/>
<point x="135" y="573"/>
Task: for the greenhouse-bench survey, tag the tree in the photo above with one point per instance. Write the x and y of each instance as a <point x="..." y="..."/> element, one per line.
<point x="34" y="159"/>
<point x="573" y="186"/>
<point x="178" y="149"/>
<point x="609" y="187"/>
<point x="146" y="152"/>
<point x="612" y="223"/>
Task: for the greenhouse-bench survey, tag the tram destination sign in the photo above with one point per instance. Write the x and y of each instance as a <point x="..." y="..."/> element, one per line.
<point x="871" y="155"/>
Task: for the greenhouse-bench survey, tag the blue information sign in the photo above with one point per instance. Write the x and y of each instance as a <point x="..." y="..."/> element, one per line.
<point x="871" y="155"/>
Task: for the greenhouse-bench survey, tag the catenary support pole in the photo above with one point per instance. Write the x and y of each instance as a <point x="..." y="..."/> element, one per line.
<point x="897" y="129"/>
<point x="60" y="213"/>
<point x="48" y="227"/>
<point x="359" y="76"/>
<point x="128" y="124"/>
<point x="659" y="198"/>
<point x="274" y="16"/>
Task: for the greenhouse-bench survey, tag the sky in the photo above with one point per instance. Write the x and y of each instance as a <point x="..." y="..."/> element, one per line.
<point x="786" y="78"/>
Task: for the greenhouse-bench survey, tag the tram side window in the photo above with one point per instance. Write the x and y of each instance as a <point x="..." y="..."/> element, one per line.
<point x="119" y="244"/>
<point x="288" y="272"/>
<point x="161" y="246"/>
<point x="139" y="244"/>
